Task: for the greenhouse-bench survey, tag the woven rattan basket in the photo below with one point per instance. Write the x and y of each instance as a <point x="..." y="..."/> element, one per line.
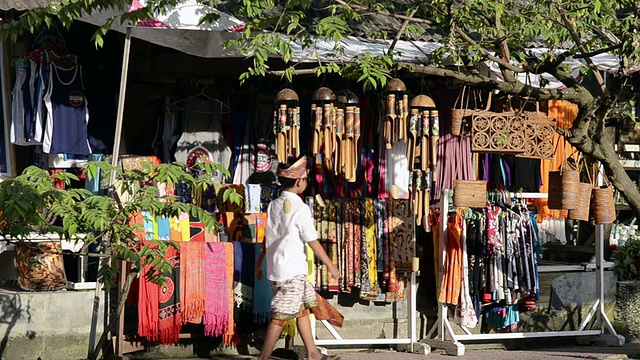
<point x="581" y="212"/>
<point x="470" y="193"/>
<point x="604" y="210"/>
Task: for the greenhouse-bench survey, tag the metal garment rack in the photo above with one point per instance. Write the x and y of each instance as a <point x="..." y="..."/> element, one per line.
<point x="410" y="343"/>
<point x="442" y="335"/>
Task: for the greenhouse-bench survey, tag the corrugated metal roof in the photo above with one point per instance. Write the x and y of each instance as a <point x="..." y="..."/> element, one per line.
<point x="23" y="4"/>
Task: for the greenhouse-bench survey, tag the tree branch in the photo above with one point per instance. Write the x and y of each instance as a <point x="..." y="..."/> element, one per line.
<point x="578" y="41"/>
<point x="404" y="26"/>
<point x="493" y="58"/>
<point x="506" y="73"/>
<point x="382" y="12"/>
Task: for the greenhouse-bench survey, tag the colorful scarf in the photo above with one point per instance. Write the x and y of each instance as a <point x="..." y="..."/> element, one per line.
<point x="244" y="266"/>
<point x="229" y="338"/>
<point x="261" y="226"/>
<point x="196" y="230"/>
<point x="192" y="281"/>
<point x="379" y="205"/>
<point x="332" y="245"/>
<point x="347" y="230"/>
<point x="137" y="226"/>
<point x="148" y="307"/>
<point x="262" y="294"/>
<point x="369" y="289"/>
<point x="401" y="234"/>
<point x="149" y="230"/>
<point x="216" y="313"/>
<point x="357" y="237"/>
<point x="164" y="229"/>
<point x="170" y="316"/>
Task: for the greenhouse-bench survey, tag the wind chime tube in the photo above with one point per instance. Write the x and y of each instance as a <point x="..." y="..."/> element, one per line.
<point x="296" y="130"/>
<point x="317" y="132"/>
<point x="391" y="117"/>
<point x="435" y="136"/>
<point x="289" y="133"/>
<point x="398" y="124"/>
<point x="327" y="132"/>
<point x="340" y="151"/>
<point x="424" y="143"/>
<point x="356" y="138"/>
<point x="281" y="141"/>
<point x="349" y="122"/>
<point x="413" y="136"/>
<point x="405" y="115"/>
<point x="418" y="198"/>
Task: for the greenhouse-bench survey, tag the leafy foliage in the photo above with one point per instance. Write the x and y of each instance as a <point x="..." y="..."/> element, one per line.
<point x="33" y="205"/>
<point x="626" y="259"/>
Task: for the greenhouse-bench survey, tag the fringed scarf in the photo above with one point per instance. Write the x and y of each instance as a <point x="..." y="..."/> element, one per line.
<point x="262" y="294"/>
<point x="244" y="270"/>
<point x="148" y="310"/>
<point x="170" y="316"/>
<point x="244" y="266"/>
<point x="192" y="281"/>
<point x="357" y="238"/>
<point x="401" y="234"/>
<point x="378" y="206"/>
<point x="332" y="245"/>
<point x="347" y="230"/>
<point x="216" y="313"/>
<point x="229" y="337"/>
<point x="369" y="289"/>
<point x="324" y="240"/>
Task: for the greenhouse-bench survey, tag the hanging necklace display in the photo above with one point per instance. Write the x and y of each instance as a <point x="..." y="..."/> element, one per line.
<point x="418" y="151"/>
<point x="286" y="124"/>
<point x="324" y="125"/>
<point x="395" y="126"/>
<point x="348" y="149"/>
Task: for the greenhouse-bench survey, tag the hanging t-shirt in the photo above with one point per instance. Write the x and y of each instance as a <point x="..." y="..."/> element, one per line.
<point x="26" y="109"/>
<point x="202" y="134"/>
<point x="67" y="113"/>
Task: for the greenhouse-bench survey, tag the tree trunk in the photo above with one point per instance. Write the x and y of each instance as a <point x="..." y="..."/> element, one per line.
<point x="113" y="319"/>
<point x="620" y="179"/>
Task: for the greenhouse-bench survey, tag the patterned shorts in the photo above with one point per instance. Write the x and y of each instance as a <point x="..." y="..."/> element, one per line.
<point x="292" y="298"/>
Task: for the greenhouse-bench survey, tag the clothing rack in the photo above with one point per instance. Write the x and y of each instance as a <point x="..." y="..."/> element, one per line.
<point x="442" y="335"/>
<point x="409" y="343"/>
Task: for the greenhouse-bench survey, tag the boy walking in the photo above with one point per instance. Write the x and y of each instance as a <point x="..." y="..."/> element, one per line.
<point x="290" y="227"/>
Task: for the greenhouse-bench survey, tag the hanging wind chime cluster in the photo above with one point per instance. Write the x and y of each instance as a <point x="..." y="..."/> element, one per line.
<point x="421" y="152"/>
<point x="336" y="130"/>
<point x="417" y="125"/>
<point x="286" y="124"/>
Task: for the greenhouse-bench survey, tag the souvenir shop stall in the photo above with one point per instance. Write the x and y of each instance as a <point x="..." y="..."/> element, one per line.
<point x="513" y="185"/>
<point x="361" y="193"/>
<point x="386" y="167"/>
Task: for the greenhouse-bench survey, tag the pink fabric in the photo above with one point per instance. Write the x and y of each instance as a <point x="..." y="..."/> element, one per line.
<point x="216" y="313"/>
<point x="454" y="162"/>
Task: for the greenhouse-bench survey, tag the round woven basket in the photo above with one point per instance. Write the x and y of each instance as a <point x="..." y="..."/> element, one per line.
<point x="570" y="188"/>
<point x="581" y="212"/>
<point x="604" y="210"/>
<point x="470" y="193"/>
<point x="456" y="121"/>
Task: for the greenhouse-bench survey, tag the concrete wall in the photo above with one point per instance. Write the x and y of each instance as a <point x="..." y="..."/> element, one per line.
<point x="46" y="325"/>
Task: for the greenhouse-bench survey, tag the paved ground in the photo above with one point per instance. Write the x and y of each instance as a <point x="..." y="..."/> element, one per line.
<point x="629" y="351"/>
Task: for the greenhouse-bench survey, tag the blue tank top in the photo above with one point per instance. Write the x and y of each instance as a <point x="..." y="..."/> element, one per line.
<point x="69" y="112"/>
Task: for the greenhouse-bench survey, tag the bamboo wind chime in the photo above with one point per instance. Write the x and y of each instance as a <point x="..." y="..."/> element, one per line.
<point x="286" y="124"/>
<point x="324" y="115"/>
<point x="421" y="152"/>
<point x="347" y="135"/>
<point x="395" y="125"/>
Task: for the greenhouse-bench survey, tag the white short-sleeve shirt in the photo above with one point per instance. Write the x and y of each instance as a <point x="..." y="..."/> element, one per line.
<point x="286" y="237"/>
